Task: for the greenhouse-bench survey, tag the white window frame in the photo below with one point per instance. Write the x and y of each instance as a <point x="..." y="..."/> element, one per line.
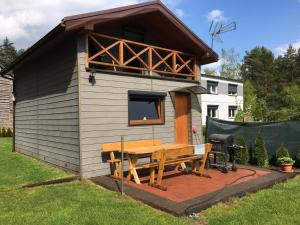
<point x="209" y="111"/>
<point x="232" y="109"/>
<point x="212" y="87"/>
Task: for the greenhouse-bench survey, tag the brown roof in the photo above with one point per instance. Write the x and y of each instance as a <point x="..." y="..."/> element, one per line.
<point x="88" y="20"/>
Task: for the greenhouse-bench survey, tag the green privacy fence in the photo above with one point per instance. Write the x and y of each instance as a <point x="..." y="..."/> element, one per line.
<point x="274" y="133"/>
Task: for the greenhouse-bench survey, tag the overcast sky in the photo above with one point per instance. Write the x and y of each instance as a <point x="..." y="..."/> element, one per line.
<point x="271" y="23"/>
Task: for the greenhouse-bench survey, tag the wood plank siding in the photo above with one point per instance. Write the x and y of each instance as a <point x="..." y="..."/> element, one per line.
<point x="6" y="103"/>
<point x="47" y="107"/>
<point x="104" y="113"/>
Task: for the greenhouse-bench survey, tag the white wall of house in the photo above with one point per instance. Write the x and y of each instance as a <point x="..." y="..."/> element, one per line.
<point x="221" y="100"/>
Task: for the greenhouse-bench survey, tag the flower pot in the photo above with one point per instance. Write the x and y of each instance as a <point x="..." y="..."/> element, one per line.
<point x="288" y="168"/>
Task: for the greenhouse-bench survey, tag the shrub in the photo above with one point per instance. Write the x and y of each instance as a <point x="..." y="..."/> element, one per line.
<point x="285" y="160"/>
<point x="260" y="154"/>
<point x="9" y="133"/>
<point x="242" y="155"/>
<point x="3" y="132"/>
<point x="282" y="151"/>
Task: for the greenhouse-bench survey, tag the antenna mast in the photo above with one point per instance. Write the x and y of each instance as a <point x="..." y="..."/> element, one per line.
<point x="216" y="29"/>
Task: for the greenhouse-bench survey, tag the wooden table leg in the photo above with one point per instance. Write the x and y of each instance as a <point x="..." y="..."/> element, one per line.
<point x="132" y="170"/>
<point x="152" y="175"/>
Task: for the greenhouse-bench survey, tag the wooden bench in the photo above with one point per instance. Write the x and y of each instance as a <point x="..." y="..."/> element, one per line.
<point x="116" y="147"/>
<point x="180" y="156"/>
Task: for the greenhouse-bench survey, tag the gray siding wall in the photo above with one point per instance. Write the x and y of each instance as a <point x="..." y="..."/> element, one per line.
<point x="47" y="107"/>
<point x="104" y="114"/>
<point x="6" y="103"/>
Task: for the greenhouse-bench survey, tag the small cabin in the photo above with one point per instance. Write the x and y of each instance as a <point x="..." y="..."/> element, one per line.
<point x="132" y="71"/>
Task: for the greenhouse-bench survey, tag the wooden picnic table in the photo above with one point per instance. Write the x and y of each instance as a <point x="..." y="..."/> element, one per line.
<point x="137" y="152"/>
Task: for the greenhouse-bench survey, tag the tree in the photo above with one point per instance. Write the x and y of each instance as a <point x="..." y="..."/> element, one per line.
<point x="8" y="53"/>
<point x="260" y="155"/>
<point x="229" y="63"/>
<point x="242" y="155"/>
<point x="257" y="67"/>
<point x="252" y="105"/>
<point x="208" y="71"/>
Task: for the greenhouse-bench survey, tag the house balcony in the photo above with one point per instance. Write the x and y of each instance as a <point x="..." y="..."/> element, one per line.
<point x="126" y="56"/>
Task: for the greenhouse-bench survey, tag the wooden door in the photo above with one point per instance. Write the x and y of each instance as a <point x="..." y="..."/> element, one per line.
<point x="182" y="118"/>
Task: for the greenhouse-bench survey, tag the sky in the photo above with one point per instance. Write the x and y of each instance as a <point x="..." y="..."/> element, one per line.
<point x="271" y="23"/>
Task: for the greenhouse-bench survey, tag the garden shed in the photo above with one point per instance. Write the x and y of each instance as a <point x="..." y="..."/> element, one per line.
<point x="131" y="71"/>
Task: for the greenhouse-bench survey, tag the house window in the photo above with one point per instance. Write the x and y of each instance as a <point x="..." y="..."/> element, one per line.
<point x="232" y="111"/>
<point x="232" y="89"/>
<point x="145" y="108"/>
<point x="212" y="87"/>
<point x="212" y="111"/>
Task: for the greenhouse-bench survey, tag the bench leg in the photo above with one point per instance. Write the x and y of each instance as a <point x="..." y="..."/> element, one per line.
<point x="132" y="171"/>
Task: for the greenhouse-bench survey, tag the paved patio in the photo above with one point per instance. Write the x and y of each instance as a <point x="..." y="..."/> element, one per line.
<point x="187" y="193"/>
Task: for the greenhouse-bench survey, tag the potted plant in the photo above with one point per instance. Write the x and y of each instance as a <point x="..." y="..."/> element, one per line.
<point x="286" y="164"/>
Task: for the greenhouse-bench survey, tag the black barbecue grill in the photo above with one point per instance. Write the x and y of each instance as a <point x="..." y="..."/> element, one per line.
<point x="223" y="148"/>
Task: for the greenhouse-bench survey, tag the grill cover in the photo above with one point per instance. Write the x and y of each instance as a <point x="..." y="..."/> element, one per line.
<point x="225" y="140"/>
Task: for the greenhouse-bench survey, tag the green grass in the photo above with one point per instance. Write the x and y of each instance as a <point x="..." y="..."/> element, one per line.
<point x="17" y="170"/>
<point x="278" y="205"/>
<point x="85" y="203"/>
<point x="68" y="203"/>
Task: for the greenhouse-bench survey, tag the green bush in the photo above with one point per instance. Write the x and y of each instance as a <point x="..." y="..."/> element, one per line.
<point x="297" y="159"/>
<point x="285" y="160"/>
<point x="281" y="152"/>
<point x="260" y="154"/>
<point x="9" y="133"/>
<point x="3" y="132"/>
<point x="6" y="132"/>
<point x="242" y="155"/>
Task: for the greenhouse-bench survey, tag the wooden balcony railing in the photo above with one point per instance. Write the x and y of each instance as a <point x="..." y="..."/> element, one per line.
<point x="124" y="55"/>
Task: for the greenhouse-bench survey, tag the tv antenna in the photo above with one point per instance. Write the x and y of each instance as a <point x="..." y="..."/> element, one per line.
<point x="216" y="29"/>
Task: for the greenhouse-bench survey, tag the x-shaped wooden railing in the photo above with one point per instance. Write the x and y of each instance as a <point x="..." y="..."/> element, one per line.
<point x="120" y="53"/>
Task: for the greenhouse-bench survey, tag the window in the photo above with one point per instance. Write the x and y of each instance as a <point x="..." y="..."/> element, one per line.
<point x="212" y="87"/>
<point x="232" y="111"/>
<point x="232" y="89"/>
<point x="145" y="108"/>
<point x="212" y="111"/>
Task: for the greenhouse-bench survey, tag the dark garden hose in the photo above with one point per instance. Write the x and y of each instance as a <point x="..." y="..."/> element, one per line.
<point x="188" y="210"/>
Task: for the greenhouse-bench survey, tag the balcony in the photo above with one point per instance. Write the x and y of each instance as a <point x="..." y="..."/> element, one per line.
<point x="115" y="54"/>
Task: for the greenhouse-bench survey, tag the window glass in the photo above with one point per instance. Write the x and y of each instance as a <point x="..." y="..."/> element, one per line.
<point x="143" y="108"/>
<point x="232" y="111"/>
<point x="232" y="89"/>
<point x="212" y="111"/>
<point x="212" y="87"/>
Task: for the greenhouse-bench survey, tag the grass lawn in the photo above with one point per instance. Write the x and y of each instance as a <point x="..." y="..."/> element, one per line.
<point x="69" y="203"/>
<point x="85" y="203"/>
<point x="278" y="205"/>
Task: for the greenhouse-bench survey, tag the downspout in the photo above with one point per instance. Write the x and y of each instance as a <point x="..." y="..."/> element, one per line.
<point x="14" y="118"/>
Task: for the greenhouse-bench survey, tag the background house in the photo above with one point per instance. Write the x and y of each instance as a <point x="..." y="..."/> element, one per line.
<point x="6" y="103"/>
<point x="226" y="95"/>
<point x="96" y="76"/>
